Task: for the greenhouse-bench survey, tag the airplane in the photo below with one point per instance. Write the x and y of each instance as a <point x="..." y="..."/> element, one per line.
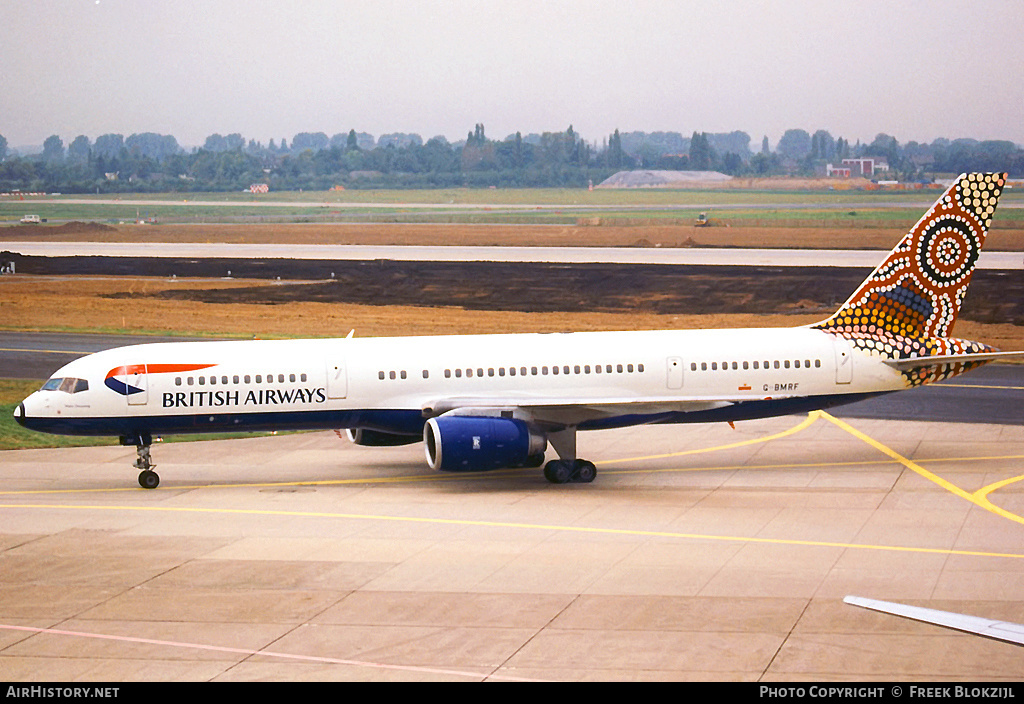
<point x="482" y="402"/>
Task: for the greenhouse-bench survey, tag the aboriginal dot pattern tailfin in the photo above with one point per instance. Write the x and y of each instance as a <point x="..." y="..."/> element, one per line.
<point x="908" y="305"/>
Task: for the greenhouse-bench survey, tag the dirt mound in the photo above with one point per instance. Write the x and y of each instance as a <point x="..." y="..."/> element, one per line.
<point x="75" y="228"/>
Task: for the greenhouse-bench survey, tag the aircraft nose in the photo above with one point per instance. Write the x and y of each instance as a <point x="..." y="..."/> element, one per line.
<point x="19" y="414"/>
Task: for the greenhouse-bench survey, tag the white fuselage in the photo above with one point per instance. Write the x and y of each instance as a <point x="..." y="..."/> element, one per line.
<point x="586" y="380"/>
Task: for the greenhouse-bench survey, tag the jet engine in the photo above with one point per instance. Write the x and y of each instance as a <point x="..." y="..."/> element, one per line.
<point x="376" y="438"/>
<point x="476" y="444"/>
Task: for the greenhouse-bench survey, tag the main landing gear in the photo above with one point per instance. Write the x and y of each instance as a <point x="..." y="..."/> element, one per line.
<point x="148" y="479"/>
<point x="564" y="471"/>
<point x="568" y="468"/>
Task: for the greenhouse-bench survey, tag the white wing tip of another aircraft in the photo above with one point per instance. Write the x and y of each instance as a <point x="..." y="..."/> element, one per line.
<point x="999" y="630"/>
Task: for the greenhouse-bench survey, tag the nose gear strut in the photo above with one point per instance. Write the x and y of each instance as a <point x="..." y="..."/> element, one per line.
<point x="148" y="479"/>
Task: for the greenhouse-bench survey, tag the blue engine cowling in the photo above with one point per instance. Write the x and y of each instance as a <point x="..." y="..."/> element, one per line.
<point x="476" y="444"/>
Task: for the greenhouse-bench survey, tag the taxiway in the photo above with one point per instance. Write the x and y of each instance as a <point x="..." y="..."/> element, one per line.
<point x="701" y="553"/>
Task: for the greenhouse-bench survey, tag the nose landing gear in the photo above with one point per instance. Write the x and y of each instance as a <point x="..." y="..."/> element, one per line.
<point x="148" y="479"/>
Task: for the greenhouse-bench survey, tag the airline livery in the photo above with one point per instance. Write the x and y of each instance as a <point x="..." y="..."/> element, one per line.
<point x="482" y="402"/>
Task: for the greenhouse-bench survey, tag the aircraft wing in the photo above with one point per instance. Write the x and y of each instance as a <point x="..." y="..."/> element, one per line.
<point x="1000" y="630"/>
<point x="569" y="411"/>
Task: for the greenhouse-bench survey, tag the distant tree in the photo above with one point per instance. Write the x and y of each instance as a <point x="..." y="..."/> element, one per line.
<point x="615" y="154"/>
<point x="766" y="164"/>
<point x="823" y="146"/>
<point x="764" y="145"/>
<point x="737" y="142"/>
<point x="3" y="147"/>
<point x="352" y="142"/>
<point x="108" y="146"/>
<point x="314" y="141"/>
<point x="732" y="163"/>
<point x="795" y="144"/>
<point x="215" y="143"/>
<point x="78" y="150"/>
<point x="152" y="145"/>
<point x="700" y="152"/>
<point x="53" y="149"/>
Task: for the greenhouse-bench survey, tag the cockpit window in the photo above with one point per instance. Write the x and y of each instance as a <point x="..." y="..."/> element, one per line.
<point x="68" y="385"/>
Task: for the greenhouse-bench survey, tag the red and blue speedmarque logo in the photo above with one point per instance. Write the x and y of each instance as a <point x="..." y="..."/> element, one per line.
<point x="113" y="383"/>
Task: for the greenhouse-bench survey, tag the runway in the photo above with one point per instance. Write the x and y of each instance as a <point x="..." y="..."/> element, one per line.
<point x="442" y="253"/>
<point x="699" y="553"/>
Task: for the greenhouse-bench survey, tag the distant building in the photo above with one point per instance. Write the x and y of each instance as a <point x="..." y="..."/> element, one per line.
<point x="837" y="171"/>
<point x="866" y="166"/>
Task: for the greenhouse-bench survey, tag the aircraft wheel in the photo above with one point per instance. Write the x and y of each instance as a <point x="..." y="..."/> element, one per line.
<point x="148" y="479"/>
<point x="558" y="471"/>
<point x="585" y="471"/>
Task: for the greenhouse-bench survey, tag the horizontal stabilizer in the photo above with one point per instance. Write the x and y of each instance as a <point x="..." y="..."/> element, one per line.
<point x="909" y="363"/>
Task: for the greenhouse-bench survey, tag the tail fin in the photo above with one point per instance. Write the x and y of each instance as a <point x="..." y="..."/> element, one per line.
<point x="906" y="308"/>
<point x="918" y="289"/>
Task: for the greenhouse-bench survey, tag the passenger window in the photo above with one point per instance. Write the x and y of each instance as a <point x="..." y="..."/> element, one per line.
<point x="302" y="377"/>
<point x="640" y="367"/>
<point x="426" y="374"/>
<point x="291" y="377"/>
<point x="380" y="375"/>
<point x="247" y="378"/>
<point x="234" y="379"/>
<point x="202" y="381"/>
<point x="177" y="381"/>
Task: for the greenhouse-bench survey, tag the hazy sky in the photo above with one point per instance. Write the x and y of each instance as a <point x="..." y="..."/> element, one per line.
<point x="914" y="69"/>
